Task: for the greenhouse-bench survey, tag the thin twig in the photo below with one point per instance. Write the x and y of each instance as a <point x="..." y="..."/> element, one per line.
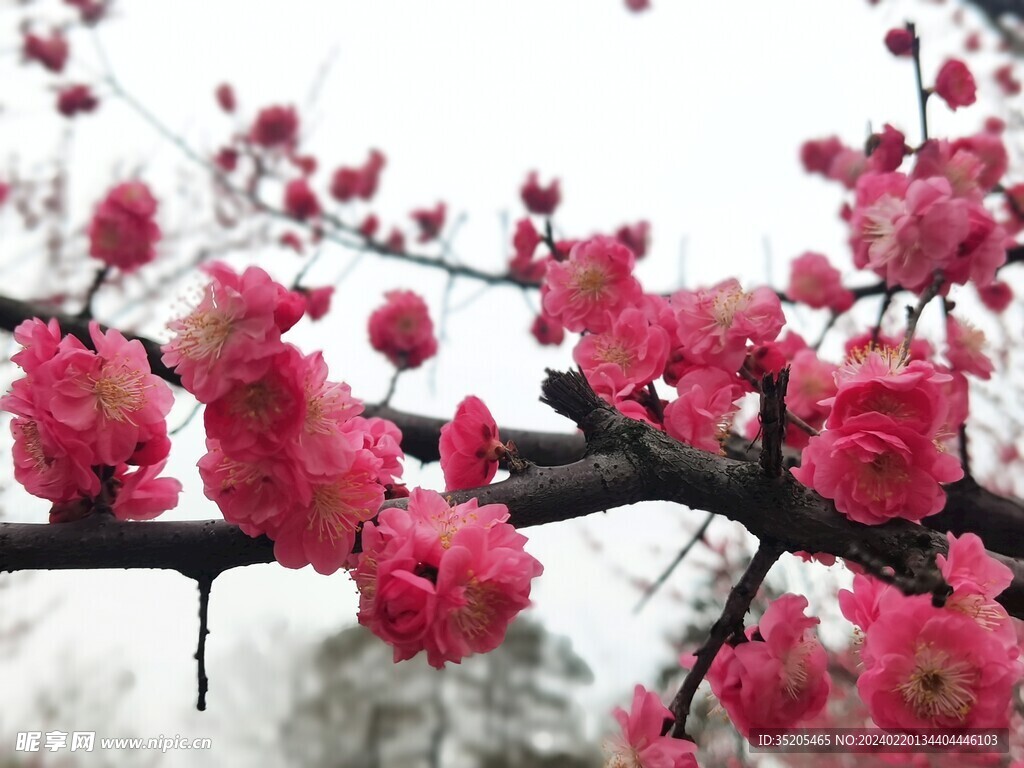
<point x="205" y="584"/>
<point x="728" y="624"/>
<point x="922" y="92"/>
<point x="791" y="417"/>
<point x="101" y="275"/>
<point x="914" y="313"/>
<point x="698" y="535"/>
<point x="876" y="332"/>
<point x="391" y="387"/>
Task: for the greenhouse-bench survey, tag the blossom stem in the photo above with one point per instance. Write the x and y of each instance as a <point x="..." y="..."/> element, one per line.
<point x="101" y="276"/>
<point x="729" y="623"/>
<point x="914" y="313"/>
<point x="922" y="92"/>
<point x="391" y="388"/>
<point x="886" y="301"/>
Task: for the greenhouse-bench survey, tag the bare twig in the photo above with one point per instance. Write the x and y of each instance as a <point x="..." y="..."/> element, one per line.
<point x="698" y="535"/>
<point x="728" y="624"/>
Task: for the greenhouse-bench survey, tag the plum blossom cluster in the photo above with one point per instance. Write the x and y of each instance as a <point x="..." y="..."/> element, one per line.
<point x="442" y="579"/>
<point x="775" y="677"/>
<point x="89" y="426"/>
<point x="913" y="226"/>
<point x="289" y="455"/>
<point x="928" y="667"/>
<point x="879" y="458"/>
<point x="696" y="341"/>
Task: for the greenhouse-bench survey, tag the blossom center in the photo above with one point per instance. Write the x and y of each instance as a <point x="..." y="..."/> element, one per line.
<point x="331" y="516"/>
<point x="203" y="335"/>
<point x="119" y="393"/>
<point x="34" y="444"/>
<point x="938" y="687"/>
<point x="616" y="352"/>
<point x="257" y="404"/>
<point x="794" y="671"/>
<point x="726" y="304"/>
<point x="590" y="282"/>
<point x="478" y="613"/>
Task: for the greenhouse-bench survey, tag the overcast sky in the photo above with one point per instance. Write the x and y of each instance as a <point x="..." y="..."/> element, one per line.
<point x="689" y="116"/>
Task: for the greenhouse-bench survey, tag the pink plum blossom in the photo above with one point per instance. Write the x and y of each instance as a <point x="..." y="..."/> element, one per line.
<point x="430" y="222"/>
<point x="81" y="416"/>
<point x="778" y="678"/>
<point x="259" y="418"/>
<point x="525" y="241"/>
<point x="876" y="469"/>
<point x="990" y="150"/>
<point x="322" y="446"/>
<point x="867" y="600"/>
<point x="142" y="495"/>
<point x="402" y="330"/>
<point x="935" y="668"/>
<point x="51" y="464"/>
<point x="592" y="286"/>
<point x="470" y="447"/>
<point x="300" y="201"/>
<point x="817" y="155"/>
<point x="230" y="337"/>
<point x="322" y="531"/>
<point x="440" y="579"/>
<point x="539" y="199"/>
<point x="996" y="296"/>
<point x="899" y="41"/>
<point x="626" y="357"/>
<point x="317" y="300"/>
<point x="547" y="331"/>
<point x="701" y="413"/>
<point x="877" y="382"/>
<point x="383" y="439"/>
<point x="636" y="237"/>
<point x="348" y="183"/>
<point x="968" y="566"/>
<point x="887" y="150"/>
<point x="254" y="495"/>
<point x="955" y="84"/>
<point x="905" y="230"/>
<point x="716" y="323"/>
<point x="811" y="381"/>
<point x="109" y="398"/>
<point x="641" y="743"/>
<point x="123" y="232"/>
<point x="51" y="52"/>
<point x="964" y="349"/>
<point x="815" y="282"/>
<point x="275" y="127"/>
<point x="982" y="252"/>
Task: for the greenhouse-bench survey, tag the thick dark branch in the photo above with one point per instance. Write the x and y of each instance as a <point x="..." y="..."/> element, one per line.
<point x="627" y="462"/>
<point x="198" y="549"/>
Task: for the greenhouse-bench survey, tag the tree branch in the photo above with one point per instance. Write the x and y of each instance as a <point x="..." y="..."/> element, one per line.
<point x="626" y="462"/>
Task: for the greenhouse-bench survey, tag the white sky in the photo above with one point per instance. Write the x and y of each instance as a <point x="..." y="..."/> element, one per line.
<point x="690" y="116"/>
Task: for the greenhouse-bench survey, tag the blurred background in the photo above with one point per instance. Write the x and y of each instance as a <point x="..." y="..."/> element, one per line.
<point x="688" y="115"/>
